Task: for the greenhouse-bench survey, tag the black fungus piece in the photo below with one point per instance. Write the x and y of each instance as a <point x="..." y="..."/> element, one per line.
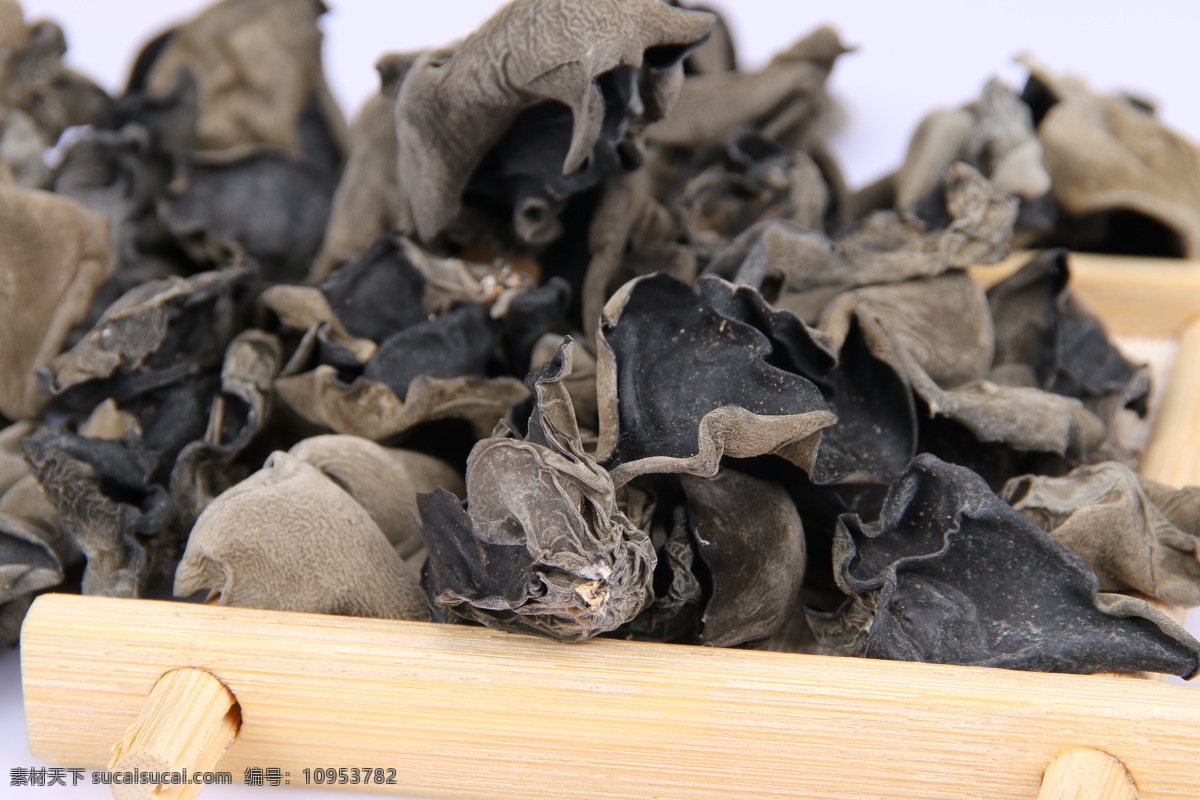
<point x="529" y="317"/>
<point x="679" y="385"/>
<point x="522" y="177"/>
<point x="379" y="293"/>
<point x="543" y="546"/>
<point x="750" y="538"/>
<point x="611" y="75"/>
<point x="753" y="179"/>
<point x="1043" y="331"/>
<point x="674" y="615"/>
<point x="271" y="208"/>
<point x="456" y="344"/>
<point x="235" y="416"/>
<point x="952" y="574"/>
<point x="259" y="78"/>
<point x="34" y="551"/>
<point x="34" y="554"/>
<point x="874" y="437"/>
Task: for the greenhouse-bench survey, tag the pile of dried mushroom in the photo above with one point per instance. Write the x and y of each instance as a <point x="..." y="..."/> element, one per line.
<point x="578" y="331"/>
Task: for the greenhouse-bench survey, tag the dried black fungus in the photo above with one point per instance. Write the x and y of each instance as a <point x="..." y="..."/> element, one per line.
<point x="750" y="538"/>
<point x="679" y="386"/>
<point x="1123" y="181"/>
<point x="542" y="545"/>
<point x="109" y="505"/>
<point x="733" y="434"/>
<point x="951" y="574"/>
<point x="1046" y="338"/>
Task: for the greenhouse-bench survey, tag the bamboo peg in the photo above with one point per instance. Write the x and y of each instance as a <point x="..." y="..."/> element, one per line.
<point x="1086" y="774"/>
<point x="186" y="723"/>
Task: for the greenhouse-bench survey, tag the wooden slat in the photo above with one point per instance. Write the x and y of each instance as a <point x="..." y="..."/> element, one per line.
<point x="473" y="713"/>
<point x="1173" y="456"/>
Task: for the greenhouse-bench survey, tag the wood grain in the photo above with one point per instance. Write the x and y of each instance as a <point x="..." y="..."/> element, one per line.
<point x="473" y="713"/>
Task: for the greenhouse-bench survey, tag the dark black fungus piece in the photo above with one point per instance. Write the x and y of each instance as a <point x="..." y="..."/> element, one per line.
<point x="456" y="344"/>
<point x="236" y="415"/>
<point x="874" y="437"/>
<point x="749" y="535"/>
<point x="543" y="546"/>
<point x="1043" y="331"/>
<point x="679" y="385"/>
<point x="272" y="208"/>
<point x="379" y="293"/>
<point x="674" y="615"/>
<point x="952" y="574"/>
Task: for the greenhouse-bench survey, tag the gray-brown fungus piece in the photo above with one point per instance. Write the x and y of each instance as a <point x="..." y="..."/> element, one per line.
<point x="39" y="96"/>
<point x="456" y="104"/>
<point x="34" y="550"/>
<point x="257" y="64"/>
<point x="755" y="179"/>
<point x="1124" y="182"/>
<point x="54" y="256"/>
<point x="717" y="54"/>
<point x="384" y="480"/>
<point x="995" y="135"/>
<point x="783" y="100"/>
<point x="679" y="386"/>
<point x="580" y="384"/>
<point x="973" y="225"/>
<point x="542" y="546"/>
<point x="898" y="322"/>
<point x="288" y="538"/>
<point x="1135" y="535"/>
<point x="943" y="323"/>
<point x="367" y="202"/>
<point x="373" y="410"/>
<point x="951" y="574"/>
<point x="160" y="332"/>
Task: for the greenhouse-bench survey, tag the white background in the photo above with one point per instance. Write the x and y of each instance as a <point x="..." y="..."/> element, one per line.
<point x="912" y="56"/>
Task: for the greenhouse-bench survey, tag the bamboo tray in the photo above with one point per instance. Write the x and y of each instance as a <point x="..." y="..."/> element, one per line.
<point x="471" y="713"/>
